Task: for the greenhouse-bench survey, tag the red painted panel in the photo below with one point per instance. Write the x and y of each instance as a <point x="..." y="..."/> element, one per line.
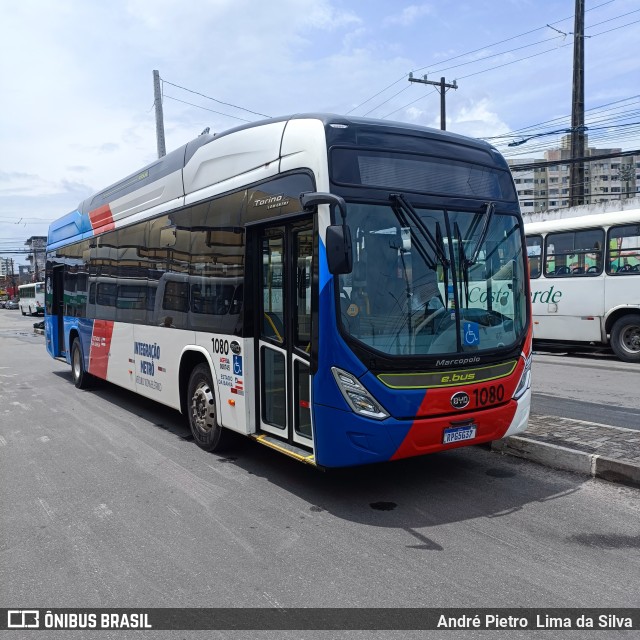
<point x="100" y="347"/>
<point x="102" y="219"/>
<point x="425" y="435"/>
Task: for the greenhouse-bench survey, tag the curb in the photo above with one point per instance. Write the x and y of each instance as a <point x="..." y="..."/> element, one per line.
<point x="557" y="457"/>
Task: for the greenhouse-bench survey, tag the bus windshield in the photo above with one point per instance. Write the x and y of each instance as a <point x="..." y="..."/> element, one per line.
<point x="430" y="282"/>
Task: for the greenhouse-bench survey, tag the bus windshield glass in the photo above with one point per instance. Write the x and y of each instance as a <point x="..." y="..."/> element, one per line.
<point x="431" y="282"/>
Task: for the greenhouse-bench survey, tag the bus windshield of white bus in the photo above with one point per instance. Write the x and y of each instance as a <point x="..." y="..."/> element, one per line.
<point x="433" y="281"/>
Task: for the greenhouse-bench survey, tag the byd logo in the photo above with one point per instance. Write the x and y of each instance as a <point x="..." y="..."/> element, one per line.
<point x="460" y="400"/>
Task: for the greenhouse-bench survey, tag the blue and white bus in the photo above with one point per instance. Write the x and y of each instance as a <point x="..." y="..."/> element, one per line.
<point x="345" y="291"/>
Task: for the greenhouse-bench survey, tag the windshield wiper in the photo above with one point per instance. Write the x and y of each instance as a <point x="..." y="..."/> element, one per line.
<point x="483" y="234"/>
<point x="463" y="266"/>
<point x="414" y="239"/>
<point x="407" y="207"/>
<point x="445" y="266"/>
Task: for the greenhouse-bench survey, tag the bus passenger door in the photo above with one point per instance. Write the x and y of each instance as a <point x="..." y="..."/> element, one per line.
<point x="57" y="310"/>
<point x="284" y="329"/>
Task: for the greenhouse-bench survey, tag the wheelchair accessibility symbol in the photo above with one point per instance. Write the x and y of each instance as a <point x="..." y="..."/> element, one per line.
<point x="471" y="331"/>
<point x="237" y="365"/>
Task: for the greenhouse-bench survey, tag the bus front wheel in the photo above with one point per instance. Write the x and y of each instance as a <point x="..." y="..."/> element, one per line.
<point x="81" y="377"/>
<point x="206" y="431"/>
<point x="625" y="338"/>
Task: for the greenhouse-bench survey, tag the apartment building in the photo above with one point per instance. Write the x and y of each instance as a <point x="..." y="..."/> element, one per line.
<point x="548" y="188"/>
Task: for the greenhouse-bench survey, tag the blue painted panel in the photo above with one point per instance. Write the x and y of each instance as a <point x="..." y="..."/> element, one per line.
<point x="67" y="229"/>
<point x="344" y="439"/>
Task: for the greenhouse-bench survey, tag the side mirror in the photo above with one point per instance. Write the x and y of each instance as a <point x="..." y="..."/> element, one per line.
<point x="339" y="255"/>
<point x="338" y="240"/>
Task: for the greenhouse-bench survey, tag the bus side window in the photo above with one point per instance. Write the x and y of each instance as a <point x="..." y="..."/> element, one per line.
<point x="624" y="249"/>
<point x="534" y="253"/>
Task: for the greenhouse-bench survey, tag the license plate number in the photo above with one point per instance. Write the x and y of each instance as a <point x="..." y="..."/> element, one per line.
<point x="458" y="434"/>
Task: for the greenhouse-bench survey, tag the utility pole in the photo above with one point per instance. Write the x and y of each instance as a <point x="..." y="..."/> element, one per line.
<point x="442" y="87"/>
<point x="576" y="171"/>
<point x="159" y="115"/>
<point x="13" y="281"/>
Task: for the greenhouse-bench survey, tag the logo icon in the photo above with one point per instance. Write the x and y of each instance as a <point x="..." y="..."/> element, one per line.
<point x="23" y="619"/>
<point x="235" y="347"/>
<point x="471" y="333"/>
<point x="460" y="400"/>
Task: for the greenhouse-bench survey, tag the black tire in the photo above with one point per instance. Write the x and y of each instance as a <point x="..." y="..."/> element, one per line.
<point x="201" y="411"/>
<point x="625" y="338"/>
<point x="81" y="377"/>
<point x="24" y="313"/>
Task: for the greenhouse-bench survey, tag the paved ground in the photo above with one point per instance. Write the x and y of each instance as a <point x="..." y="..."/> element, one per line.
<point x="588" y="448"/>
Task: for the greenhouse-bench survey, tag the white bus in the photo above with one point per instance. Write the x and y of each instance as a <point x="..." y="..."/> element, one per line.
<point x="212" y="281"/>
<point x="585" y="282"/>
<point x="31" y="298"/>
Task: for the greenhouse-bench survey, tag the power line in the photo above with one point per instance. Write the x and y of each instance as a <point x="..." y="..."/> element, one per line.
<point x="227" y="104"/>
<point x="457" y="57"/>
<point x="526" y="33"/>
<point x="426" y="95"/>
<point x="552" y="163"/>
<point x="561" y="118"/>
<point x="376" y="95"/>
<point x="506" y="64"/>
<point x="191" y="104"/>
<point x="500" y="66"/>
<point x="385" y="102"/>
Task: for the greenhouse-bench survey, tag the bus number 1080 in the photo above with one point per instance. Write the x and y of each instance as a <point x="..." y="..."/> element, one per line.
<point x="488" y="395"/>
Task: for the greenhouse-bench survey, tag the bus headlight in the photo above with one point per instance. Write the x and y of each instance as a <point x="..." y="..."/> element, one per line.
<point x="357" y="397"/>
<point x="525" y="380"/>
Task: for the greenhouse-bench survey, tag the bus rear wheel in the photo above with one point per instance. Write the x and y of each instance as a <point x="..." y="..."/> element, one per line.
<point x="625" y="338"/>
<point x="81" y="377"/>
<point x="206" y="431"/>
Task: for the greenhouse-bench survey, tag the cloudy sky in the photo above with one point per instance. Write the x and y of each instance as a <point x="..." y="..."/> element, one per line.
<point x="76" y="107"/>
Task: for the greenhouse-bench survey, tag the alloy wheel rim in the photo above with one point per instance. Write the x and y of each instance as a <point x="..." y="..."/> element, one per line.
<point x="202" y="408"/>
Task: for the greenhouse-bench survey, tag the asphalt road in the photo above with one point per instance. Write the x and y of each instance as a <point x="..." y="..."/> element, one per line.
<point x="595" y="388"/>
<point x="106" y="502"/>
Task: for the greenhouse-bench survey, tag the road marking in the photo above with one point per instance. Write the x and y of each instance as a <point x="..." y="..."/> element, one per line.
<point x="44" y="439"/>
<point x="3" y="442"/>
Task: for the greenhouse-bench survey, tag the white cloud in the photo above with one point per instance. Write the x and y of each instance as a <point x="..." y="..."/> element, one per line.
<point x="410" y="15"/>
<point x="477" y="119"/>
